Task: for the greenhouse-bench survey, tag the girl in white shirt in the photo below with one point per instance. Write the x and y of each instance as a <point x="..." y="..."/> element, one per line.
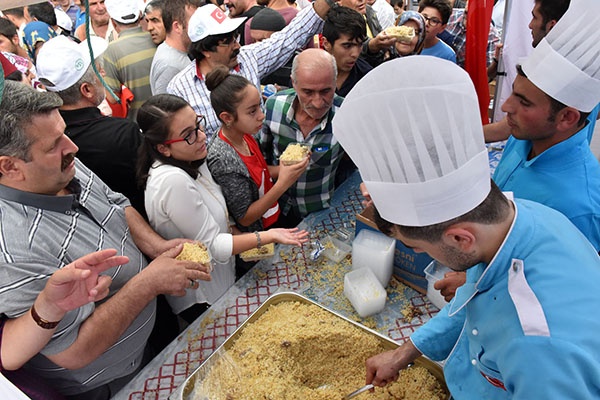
<point x="183" y="200"/>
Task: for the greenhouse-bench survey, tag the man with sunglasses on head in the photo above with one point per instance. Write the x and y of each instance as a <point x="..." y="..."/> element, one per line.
<point x="436" y="14"/>
<point x="107" y="145"/>
<point x="215" y="41"/>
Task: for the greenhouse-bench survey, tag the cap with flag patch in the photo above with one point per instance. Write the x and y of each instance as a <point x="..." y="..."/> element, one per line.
<point x="211" y="20"/>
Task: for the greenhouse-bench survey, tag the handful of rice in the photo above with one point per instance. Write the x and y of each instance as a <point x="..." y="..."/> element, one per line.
<point x="196" y="252"/>
<point x="401" y="33"/>
<point x="293" y="154"/>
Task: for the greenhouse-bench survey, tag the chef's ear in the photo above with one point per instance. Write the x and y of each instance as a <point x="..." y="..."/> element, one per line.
<point x="461" y="236"/>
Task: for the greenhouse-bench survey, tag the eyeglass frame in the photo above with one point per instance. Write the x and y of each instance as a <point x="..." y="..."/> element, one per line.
<point x="230" y="40"/>
<point x="200" y="124"/>
<point x="433" y="21"/>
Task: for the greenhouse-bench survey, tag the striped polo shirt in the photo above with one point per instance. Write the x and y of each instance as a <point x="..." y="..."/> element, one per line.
<point x="41" y="233"/>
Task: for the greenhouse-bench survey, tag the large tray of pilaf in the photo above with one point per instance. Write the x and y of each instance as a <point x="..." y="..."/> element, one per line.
<point x="292" y="348"/>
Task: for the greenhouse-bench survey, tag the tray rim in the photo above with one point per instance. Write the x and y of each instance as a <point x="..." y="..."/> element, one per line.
<point x="185" y="390"/>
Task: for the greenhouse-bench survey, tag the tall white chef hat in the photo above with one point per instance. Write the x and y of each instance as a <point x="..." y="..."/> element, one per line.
<point x="566" y="63"/>
<point x="412" y="127"/>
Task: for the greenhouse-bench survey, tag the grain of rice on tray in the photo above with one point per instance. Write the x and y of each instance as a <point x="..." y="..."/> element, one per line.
<point x="297" y="351"/>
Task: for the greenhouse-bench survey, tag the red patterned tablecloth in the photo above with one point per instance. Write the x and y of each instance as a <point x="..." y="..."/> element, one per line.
<point x="291" y="269"/>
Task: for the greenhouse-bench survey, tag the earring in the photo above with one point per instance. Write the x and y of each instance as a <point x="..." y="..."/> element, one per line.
<point x="228" y="124"/>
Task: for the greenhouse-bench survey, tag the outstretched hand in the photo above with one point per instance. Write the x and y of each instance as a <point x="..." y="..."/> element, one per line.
<point x="292" y="236"/>
<point x="80" y="282"/>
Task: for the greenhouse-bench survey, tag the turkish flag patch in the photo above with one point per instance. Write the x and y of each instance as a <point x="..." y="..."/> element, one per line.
<point x="218" y="15"/>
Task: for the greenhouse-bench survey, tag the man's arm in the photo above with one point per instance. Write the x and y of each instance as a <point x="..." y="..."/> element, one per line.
<point x="110" y="320"/>
<point x="145" y="238"/>
<point x="67" y="289"/>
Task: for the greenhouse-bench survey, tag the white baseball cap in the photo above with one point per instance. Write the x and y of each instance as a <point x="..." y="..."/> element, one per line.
<point x="418" y="143"/>
<point x="211" y="20"/>
<point x="566" y="63"/>
<point x="62" y="62"/>
<point x="63" y="20"/>
<point x="123" y="11"/>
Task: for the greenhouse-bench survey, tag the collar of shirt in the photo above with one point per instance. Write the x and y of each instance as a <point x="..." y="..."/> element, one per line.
<point x="61" y="204"/>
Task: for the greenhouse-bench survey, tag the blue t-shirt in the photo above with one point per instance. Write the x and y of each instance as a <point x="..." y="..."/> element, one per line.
<point x="565" y="177"/>
<point x="440" y="50"/>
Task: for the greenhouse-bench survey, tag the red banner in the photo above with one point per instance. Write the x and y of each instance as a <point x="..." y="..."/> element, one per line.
<point x="478" y="26"/>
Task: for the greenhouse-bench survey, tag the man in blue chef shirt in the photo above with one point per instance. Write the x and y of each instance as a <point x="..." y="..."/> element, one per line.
<point x="547" y="158"/>
<point x="522" y="326"/>
<point x="303" y="114"/>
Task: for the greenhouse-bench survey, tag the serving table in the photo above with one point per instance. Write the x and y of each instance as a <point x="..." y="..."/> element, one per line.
<point x="291" y="269"/>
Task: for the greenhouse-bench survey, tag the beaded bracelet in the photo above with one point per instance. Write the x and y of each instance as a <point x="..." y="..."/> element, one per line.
<point x="258" y="241"/>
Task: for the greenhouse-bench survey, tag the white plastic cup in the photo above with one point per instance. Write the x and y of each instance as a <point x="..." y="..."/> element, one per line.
<point x="374" y="250"/>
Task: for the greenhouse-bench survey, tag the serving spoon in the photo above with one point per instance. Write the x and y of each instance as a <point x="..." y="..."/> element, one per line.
<point x="359" y="391"/>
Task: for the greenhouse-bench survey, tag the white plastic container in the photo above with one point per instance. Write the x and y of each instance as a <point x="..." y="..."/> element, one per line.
<point x="364" y="291"/>
<point x="374" y="250"/>
<point x="335" y="249"/>
<point x="434" y="272"/>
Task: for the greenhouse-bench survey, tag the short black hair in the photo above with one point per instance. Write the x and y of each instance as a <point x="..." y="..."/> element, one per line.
<point x="552" y="9"/>
<point x="346" y="21"/>
<point x="443" y="6"/>
<point x="43" y="12"/>
<point x="555" y="105"/>
<point x="18" y="12"/>
<point x="7" y="28"/>
<point x="493" y="210"/>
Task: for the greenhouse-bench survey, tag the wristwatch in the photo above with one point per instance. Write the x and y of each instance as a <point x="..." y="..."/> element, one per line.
<point x="42" y="323"/>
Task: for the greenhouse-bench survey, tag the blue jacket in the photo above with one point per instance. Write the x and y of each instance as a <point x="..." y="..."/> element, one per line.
<point x="525" y="326"/>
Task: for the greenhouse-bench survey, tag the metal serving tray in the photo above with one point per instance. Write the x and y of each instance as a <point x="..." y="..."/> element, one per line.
<point x="186" y="390"/>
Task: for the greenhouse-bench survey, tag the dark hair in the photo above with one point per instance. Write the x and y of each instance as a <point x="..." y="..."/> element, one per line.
<point x="346" y="21"/>
<point x="209" y="43"/>
<point x="493" y="210"/>
<point x="555" y="105"/>
<point x="173" y="10"/>
<point x="155" y="5"/>
<point x="7" y="28"/>
<point x="552" y="9"/>
<point x="399" y="3"/>
<point x="154" y="119"/>
<point x="18" y="12"/>
<point x="43" y="12"/>
<point x="443" y="6"/>
<point x="225" y="90"/>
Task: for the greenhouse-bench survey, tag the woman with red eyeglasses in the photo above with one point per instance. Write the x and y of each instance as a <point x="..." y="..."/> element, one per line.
<point x="183" y="200"/>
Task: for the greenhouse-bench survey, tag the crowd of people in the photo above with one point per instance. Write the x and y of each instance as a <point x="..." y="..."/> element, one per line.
<point x="128" y="128"/>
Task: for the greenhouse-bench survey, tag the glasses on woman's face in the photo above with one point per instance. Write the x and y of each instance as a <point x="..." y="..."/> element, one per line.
<point x="192" y="135"/>
<point x="433" y="21"/>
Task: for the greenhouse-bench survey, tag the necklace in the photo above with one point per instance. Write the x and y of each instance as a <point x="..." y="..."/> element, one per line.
<point x="244" y="150"/>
